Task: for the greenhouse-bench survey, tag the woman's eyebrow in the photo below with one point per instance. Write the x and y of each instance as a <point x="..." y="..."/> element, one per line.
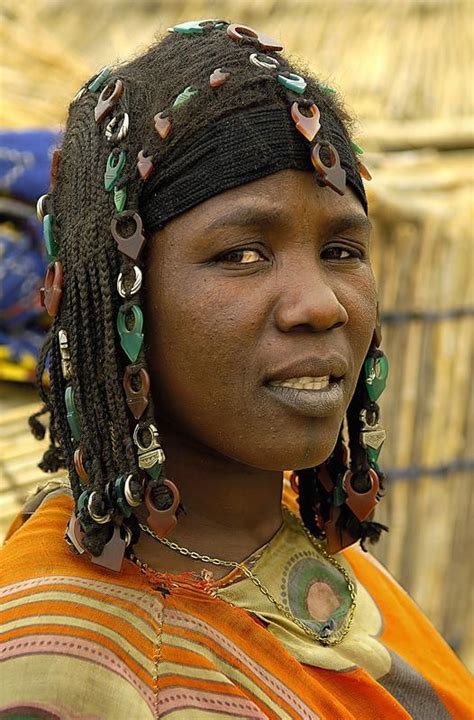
<point x="351" y="221"/>
<point x="243" y="216"/>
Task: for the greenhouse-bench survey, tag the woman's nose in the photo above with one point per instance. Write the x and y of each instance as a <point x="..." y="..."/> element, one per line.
<point x="308" y="301"/>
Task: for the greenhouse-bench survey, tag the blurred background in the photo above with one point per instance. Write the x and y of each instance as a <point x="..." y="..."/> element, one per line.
<point x="405" y="68"/>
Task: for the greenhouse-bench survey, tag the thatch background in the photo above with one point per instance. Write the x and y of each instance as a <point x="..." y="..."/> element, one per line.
<point x="406" y="67"/>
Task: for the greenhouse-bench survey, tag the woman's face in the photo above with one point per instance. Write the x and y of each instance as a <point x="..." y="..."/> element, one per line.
<point x="266" y="283"/>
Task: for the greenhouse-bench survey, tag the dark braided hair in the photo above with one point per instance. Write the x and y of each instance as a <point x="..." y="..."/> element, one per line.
<point x="82" y="212"/>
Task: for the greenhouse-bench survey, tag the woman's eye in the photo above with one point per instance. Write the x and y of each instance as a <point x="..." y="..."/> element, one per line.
<point x="243" y="256"/>
<point x="340" y="253"/>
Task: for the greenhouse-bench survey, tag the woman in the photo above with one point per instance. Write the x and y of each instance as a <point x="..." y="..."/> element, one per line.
<point x="213" y="300"/>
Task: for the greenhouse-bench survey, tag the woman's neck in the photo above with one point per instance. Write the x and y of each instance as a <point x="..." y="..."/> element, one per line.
<point x="231" y="510"/>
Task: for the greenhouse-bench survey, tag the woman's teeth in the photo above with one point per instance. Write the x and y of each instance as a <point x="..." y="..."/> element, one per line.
<point x="303" y="383"/>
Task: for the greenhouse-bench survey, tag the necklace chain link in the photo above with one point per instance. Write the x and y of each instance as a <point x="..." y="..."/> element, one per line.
<point x="329" y="641"/>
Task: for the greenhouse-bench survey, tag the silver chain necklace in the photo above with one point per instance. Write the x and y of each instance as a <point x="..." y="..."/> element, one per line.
<point x="321" y="637"/>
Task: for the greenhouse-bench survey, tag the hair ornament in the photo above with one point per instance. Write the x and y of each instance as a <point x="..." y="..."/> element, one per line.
<point x="134" y="287"/>
<point x="144" y="164"/>
<point x="292" y="82"/>
<point x="162" y="521"/>
<point x="334" y="176"/>
<point x="120" y="197"/>
<point x="136" y="384"/>
<point x="130" y="244"/>
<point x="162" y="124"/>
<point x="133" y="491"/>
<point x="55" y="160"/>
<point x="100" y="517"/>
<point x="72" y="415"/>
<point x="264" y="61"/>
<point x="130" y="326"/>
<point x="218" y="77"/>
<point x="150" y="453"/>
<point x="118" y="496"/>
<point x="327" y="89"/>
<point x="114" y="169"/>
<point x="49" y="239"/>
<point x="52" y="290"/>
<point x="79" y="466"/>
<point x="65" y="355"/>
<point x="41" y="207"/>
<point x="99" y="80"/>
<point x="80" y="94"/>
<point x="196" y="27"/>
<point x="242" y="33"/>
<point x="308" y="126"/>
<point x="108" y="98"/>
<point x="185" y="96"/>
<point x="376" y="374"/>
<point x="363" y="171"/>
<point x="357" y="148"/>
<point x="361" y="504"/>
<point x="372" y="435"/>
<point x="74" y="534"/>
<point x="117" y="134"/>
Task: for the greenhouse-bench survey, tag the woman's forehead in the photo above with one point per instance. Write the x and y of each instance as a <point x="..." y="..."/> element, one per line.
<point x="286" y="198"/>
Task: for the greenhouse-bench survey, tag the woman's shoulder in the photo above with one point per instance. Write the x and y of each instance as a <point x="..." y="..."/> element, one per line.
<point x="63" y="618"/>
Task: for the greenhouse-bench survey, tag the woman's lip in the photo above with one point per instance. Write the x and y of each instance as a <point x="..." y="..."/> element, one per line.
<point x="313" y="403"/>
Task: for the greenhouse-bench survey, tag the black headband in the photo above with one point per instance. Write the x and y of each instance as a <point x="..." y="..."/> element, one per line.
<point x="234" y="151"/>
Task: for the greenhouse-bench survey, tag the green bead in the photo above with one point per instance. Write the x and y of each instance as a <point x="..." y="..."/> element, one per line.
<point x="327" y="89"/>
<point x="131" y="340"/>
<point x="357" y="148"/>
<point x="72" y="416"/>
<point x="155" y="471"/>
<point x="114" y="169"/>
<point x="100" y="80"/>
<point x="193" y="27"/>
<point x="185" y="96"/>
<point x="49" y="239"/>
<point x="294" y="82"/>
<point x="120" y="198"/>
<point x="376" y="373"/>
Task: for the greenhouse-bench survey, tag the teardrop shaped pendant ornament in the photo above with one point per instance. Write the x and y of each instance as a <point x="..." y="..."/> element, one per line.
<point x="307" y="126"/>
<point x="376" y="373"/>
<point x="162" y="521"/>
<point x="361" y="504"/>
<point x="131" y="338"/>
<point x="331" y="175"/>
